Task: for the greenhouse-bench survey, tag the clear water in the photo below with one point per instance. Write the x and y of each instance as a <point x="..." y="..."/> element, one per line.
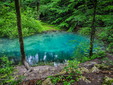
<point x="51" y="46"/>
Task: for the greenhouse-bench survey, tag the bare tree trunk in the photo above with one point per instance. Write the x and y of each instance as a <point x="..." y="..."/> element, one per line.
<point x="38" y="9"/>
<point x="93" y="28"/>
<point x="23" y="59"/>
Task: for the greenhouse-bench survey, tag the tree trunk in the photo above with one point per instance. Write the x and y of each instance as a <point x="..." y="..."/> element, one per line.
<point x="23" y="59"/>
<point x="93" y="28"/>
<point x="38" y="9"/>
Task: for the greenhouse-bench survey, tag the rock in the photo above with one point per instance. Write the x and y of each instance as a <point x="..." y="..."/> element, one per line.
<point x="103" y="66"/>
<point x="32" y="74"/>
<point x="47" y="69"/>
<point x="83" y="78"/>
<point x="95" y="69"/>
<point x="47" y="82"/>
<point x="83" y="69"/>
<point x="52" y="69"/>
<point x="89" y="64"/>
<point x="25" y="74"/>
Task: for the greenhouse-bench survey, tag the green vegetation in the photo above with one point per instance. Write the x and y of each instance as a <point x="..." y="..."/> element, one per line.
<point x="30" y="25"/>
<point x="6" y="71"/>
<point x="107" y="81"/>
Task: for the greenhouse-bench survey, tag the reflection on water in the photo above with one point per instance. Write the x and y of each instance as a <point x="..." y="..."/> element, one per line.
<point x="51" y="46"/>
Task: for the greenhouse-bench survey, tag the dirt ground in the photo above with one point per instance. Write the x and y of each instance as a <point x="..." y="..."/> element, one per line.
<point x="41" y="72"/>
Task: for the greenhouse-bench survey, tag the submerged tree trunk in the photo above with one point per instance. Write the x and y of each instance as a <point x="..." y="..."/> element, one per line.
<point x="93" y="28"/>
<point x="23" y="59"/>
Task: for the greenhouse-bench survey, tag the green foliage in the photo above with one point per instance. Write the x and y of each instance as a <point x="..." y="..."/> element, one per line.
<point x="98" y="54"/>
<point x="9" y="28"/>
<point x="6" y="71"/>
<point x="81" y="51"/>
<point x="63" y="13"/>
<point x="30" y="25"/>
<point x="85" y="31"/>
<point x="107" y="37"/>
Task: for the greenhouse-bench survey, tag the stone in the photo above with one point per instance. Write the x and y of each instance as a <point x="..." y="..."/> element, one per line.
<point x="83" y="69"/>
<point x="89" y="64"/>
<point x="95" y="69"/>
<point x="83" y="78"/>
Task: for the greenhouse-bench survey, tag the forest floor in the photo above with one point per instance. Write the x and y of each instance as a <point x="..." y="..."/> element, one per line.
<point x="38" y="72"/>
<point x="96" y="72"/>
<point x="100" y="72"/>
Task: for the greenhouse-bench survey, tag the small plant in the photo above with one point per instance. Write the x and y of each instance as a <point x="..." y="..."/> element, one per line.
<point x="72" y="66"/>
<point x="70" y="75"/>
<point x="108" y="81"/>
<point x="39" y="82"/>
<point x="68" y="83"/>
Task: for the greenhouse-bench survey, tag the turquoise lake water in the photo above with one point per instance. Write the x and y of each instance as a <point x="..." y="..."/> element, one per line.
<point x="48" y="46"/>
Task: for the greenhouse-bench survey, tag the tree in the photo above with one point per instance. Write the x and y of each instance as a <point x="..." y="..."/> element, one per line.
<point x="38" y="9"/>
<point x="23" y="59"/>
<point x="92" y="35"/>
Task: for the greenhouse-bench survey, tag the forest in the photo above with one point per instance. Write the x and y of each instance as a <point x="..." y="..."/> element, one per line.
<point x="56" y="42"/>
